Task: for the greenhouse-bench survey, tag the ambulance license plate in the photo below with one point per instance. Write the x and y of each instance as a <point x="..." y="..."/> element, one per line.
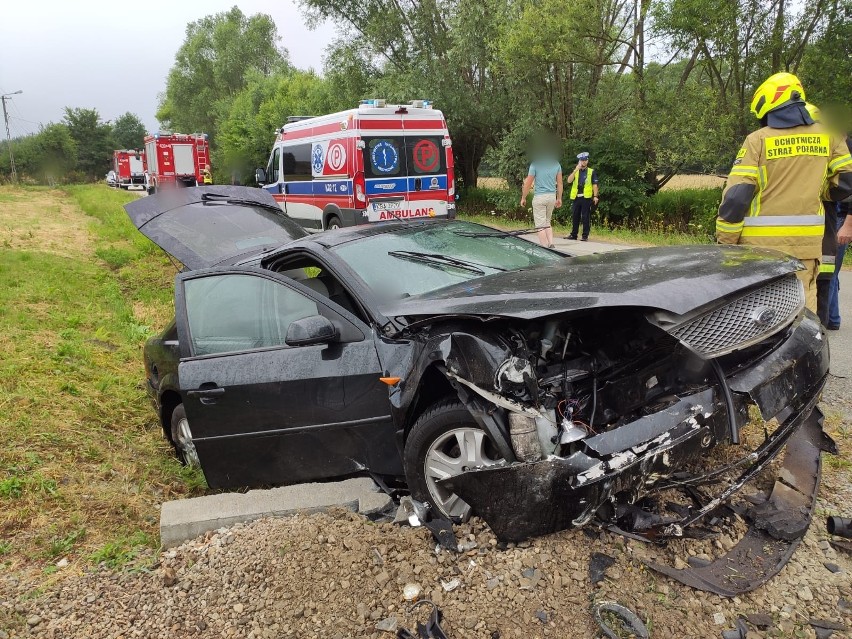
<point x="387" y="206"/>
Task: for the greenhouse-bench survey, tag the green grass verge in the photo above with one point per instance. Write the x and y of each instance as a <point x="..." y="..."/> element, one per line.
<point x="84" y="463"/>
<point x="643" y="237"/>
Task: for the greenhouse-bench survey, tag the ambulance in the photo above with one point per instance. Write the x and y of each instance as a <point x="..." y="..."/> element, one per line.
<point x="374" y="163"/>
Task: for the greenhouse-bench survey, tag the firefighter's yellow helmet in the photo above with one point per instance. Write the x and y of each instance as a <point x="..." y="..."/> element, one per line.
<point x="813" y="111"/>
<point x="775" y="92"/>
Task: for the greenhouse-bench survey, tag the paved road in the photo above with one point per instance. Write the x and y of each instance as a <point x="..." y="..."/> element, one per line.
<point x="576" y="247"/>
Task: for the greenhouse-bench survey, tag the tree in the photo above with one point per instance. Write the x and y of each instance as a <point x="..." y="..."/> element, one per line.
<point x="128" y="132"/>
<point x="49" y="154"/>
<point x="246" y="134"/>
<point x="212" y="66"/>
<point x="93" y="139"/>
<point x="429" y="49"/>
<point x="736" y="44"/>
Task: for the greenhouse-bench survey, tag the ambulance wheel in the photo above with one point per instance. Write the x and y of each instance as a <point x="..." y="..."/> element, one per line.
<point x="333" y="223"/>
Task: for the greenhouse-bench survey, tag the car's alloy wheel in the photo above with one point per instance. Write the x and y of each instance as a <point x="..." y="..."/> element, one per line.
<point x="182" y="438"/>
<point x="445" y="441"/>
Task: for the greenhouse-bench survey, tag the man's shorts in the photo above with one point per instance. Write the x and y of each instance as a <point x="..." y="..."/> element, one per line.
<point x="543" y="206"/>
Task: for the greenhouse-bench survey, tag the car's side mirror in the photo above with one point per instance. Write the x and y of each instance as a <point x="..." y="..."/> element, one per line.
<point x="315" y="329"/>
<point x="260" y="176"/>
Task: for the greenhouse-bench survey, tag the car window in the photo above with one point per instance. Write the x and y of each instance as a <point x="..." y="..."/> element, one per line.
<point x="233" y="312"/>
<point x="397" y="264"/>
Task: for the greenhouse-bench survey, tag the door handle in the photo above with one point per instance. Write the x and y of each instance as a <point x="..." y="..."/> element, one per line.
<point x="207" y="392"/>
<point x="418" y="184"/>
<point x="207" y="395"/>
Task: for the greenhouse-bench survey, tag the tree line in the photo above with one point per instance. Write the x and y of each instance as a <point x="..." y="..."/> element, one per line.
<point x="651" y="88"/>
<point x="79" y="148"/>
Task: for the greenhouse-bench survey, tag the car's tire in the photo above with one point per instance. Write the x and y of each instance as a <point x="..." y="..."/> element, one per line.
<point x="445" y="441"/>
<point x="182" y="438"/>
<point x="333" y="223"/>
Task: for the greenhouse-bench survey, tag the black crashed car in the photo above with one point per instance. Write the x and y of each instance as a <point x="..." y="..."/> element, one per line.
<point x="483" y="370"/>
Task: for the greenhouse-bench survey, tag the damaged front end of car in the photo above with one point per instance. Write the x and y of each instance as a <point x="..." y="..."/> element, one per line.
<point x="601" y="408"/>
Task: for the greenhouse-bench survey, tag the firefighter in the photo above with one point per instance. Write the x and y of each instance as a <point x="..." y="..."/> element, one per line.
<point x="772" y="198"/>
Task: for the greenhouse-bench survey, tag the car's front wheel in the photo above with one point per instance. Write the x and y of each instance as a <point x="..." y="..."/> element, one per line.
<point x="445" y="441"/>
<point x="182" y="438"/>
<point x="333" y="223"/>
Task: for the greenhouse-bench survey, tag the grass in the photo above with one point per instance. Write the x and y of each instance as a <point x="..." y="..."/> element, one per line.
<point x="84" y="464"/>
<point x="650" y="236"/>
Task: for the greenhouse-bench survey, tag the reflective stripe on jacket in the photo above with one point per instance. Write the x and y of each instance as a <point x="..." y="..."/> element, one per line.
<point x="587" y="187"/>
<point x="772" y="197"/>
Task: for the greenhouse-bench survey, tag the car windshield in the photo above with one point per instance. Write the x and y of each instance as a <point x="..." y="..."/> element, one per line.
<point x="424" y="258"/>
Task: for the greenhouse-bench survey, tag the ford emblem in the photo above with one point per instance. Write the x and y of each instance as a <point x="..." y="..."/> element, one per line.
<point x="763" y="316"/>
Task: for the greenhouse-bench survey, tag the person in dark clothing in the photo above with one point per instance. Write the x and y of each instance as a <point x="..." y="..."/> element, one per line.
<point x="584" y="192"/>
<point x="844" y="209"/>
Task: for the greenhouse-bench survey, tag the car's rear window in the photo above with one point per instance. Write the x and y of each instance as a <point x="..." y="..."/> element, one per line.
<point x="396" y="264"/>
<point x="213" y="232"/>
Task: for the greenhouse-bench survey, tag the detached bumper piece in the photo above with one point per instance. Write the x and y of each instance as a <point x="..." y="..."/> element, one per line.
<point x="563" y="492"/>
<point x="777" y="528"/>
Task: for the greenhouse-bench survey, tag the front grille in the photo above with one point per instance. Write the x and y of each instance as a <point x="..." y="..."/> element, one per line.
<point x="744" y="321"/>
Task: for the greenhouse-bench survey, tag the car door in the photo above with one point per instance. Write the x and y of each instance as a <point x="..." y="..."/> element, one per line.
<point x="263" y="412"/>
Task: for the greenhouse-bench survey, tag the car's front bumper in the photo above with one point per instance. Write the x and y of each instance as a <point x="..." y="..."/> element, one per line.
<point x="620" y="465"/>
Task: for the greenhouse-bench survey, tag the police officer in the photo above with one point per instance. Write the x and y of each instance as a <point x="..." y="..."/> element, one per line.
<point x="584" y="192"/>
<point x="772" y="198"/>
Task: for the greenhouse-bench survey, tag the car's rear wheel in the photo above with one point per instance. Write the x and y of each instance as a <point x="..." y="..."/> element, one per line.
<point x="444" y="442"/>
<point x="182" y="438"/>
<point x="333" y="223"/>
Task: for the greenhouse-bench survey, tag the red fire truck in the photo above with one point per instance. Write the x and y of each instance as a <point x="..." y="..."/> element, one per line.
<point x="176" y="160"/>
<point x="129" y="167"/>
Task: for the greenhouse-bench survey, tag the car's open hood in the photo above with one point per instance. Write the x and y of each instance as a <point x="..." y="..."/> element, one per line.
<point x="673" y="279"/>
<point x="201" y="232"/>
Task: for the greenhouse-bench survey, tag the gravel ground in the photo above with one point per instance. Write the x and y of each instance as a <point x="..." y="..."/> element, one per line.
<point x="339" y="575"/>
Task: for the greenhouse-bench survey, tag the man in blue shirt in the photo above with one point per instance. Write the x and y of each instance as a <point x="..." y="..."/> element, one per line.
<point x="546" y="174"/>
<point x="584" y="192"/>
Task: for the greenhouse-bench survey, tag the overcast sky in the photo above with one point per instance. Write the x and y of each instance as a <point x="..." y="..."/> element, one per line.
<point x="108" y="56"/>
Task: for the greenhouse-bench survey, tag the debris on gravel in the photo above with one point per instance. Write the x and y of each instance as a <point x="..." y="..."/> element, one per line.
<point x="303" y="577"/>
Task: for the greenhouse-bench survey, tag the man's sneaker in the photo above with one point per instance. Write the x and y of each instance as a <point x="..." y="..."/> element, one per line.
<point x="584" y="239"/>
<point x="570" y="237"/>
<point x="833" y="327"/>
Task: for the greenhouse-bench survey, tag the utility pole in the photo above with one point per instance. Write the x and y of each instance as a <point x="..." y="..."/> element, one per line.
<point x="3" y="98"/>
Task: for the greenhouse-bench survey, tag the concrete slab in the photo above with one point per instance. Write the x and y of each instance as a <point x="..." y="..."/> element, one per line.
<point x="186" y="519"/>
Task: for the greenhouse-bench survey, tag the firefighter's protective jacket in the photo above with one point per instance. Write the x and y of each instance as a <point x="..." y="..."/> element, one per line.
<point x="772" y="197"/>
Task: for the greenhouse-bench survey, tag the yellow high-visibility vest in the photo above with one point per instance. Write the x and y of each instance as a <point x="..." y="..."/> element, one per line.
<point x="587" y="187"/>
